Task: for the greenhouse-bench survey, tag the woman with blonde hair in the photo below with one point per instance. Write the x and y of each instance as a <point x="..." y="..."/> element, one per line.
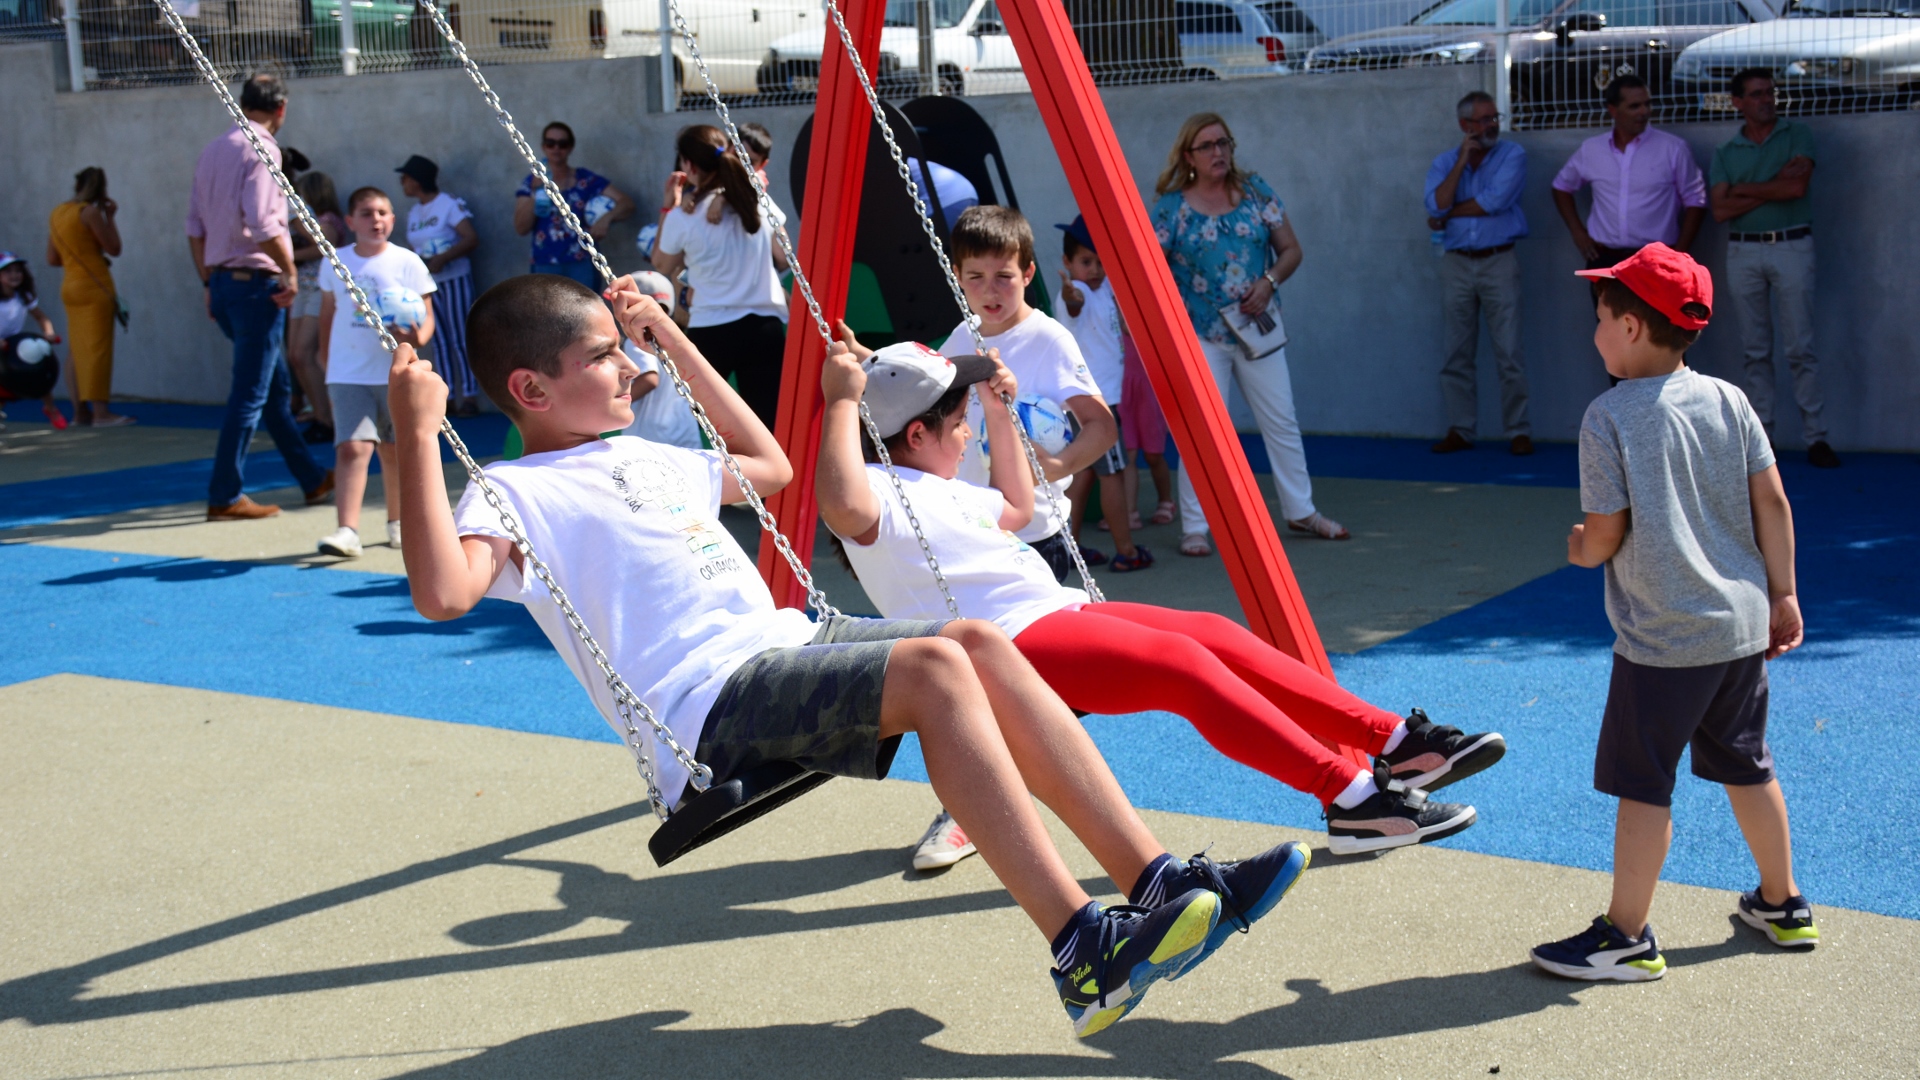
<point x="1230" y="245"/>
<point x="81" y="237"/>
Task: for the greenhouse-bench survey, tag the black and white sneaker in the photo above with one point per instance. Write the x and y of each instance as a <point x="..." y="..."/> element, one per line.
<point x="1602" y="953"/>
<point x="1393" y="817"/>
<point x="1788" y="924"/>
<point x="1431" y="756"/>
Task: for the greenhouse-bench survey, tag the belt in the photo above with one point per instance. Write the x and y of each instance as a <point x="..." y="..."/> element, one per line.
<point x="1774" y="237"/>
<point x="1483" y="253"/>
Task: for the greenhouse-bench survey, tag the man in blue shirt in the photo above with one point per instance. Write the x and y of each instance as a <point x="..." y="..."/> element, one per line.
<point x="1473" y="192"/>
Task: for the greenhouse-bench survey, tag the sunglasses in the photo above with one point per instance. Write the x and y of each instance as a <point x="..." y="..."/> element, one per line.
<point x="1212" y="146"/>
<point x="557" y="144"/>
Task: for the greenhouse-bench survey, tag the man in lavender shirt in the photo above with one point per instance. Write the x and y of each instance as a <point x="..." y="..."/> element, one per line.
<point x="237" y="228"/>
<point x="1646" y="186"/>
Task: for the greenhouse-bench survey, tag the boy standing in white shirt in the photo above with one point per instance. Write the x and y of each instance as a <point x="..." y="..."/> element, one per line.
<point x="396" y="281"/>
<point x="1089" y="311"/>
<point x="993" y="249"/>
<point x="440" y="230"/>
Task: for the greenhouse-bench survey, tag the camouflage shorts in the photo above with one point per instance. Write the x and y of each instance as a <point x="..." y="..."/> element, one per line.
<point x="817" y="704"/>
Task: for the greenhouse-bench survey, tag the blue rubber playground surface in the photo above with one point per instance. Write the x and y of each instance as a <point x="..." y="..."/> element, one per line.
<point x="1531" y="663"/>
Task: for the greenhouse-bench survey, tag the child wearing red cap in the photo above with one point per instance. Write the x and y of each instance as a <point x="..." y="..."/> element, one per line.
<point x="1685" y="510"/>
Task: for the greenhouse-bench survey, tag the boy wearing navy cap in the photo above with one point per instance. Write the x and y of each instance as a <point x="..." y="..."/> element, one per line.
<point x="1685" y="510"/>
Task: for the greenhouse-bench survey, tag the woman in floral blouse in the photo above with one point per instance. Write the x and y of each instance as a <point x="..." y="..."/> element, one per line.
<point x="1227" y="238"/>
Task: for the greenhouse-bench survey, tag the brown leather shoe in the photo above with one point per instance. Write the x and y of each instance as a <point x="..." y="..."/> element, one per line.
<point x="320" y="494"/>
<point x="242" y="509"/>
<point x="1522" y="446"/>
<point x="1454" y="441"/>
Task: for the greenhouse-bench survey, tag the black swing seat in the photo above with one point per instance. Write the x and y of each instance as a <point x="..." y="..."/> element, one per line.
<point x="724" y="807"/>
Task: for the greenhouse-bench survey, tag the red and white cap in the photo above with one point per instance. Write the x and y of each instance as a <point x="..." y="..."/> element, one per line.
<point x="1667" y="280"/>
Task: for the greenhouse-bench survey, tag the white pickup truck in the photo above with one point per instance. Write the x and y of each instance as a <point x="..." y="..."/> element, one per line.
<point x="972" y="52"/>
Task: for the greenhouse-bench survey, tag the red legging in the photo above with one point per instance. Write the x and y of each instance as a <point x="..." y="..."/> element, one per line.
<point x="1254" y="703"/>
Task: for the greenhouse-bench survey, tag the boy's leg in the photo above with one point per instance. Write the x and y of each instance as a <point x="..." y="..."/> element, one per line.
<point x="1077" y="499"/>
<point x="1113" y="494"/>
<point x="389" y="478"/>
<point x="1762" y="812"/>
<point x="1641" y="835"/>
<point x="1130" y="487"/>
<point x="1162" y="477"/>
<point x="350" y="479"/>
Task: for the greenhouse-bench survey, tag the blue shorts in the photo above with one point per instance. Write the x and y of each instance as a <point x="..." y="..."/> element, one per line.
<point x="1653" y="714"/>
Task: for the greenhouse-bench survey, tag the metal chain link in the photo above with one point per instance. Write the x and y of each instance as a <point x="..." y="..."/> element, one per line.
<point x="972" y="320"/>
<point x="765" y="201"/>
<point x="626" y="703"/>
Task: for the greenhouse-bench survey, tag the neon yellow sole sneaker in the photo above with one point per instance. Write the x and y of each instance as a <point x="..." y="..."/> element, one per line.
<point x="1128" y="951"/>
<point x="1603" y="952"/>
<point x="1788" y="924"/>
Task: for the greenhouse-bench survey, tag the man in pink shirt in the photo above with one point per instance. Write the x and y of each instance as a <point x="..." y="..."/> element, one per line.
<point x="237" y="228"/>
<point x="1646" y="186"/>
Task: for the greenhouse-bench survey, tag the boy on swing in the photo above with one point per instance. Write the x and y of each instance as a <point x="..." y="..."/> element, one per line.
<point x="631" y="527"/>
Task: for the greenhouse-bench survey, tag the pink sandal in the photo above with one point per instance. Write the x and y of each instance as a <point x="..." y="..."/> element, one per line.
<point x="1195" y="545"/>
<point x="1162" y="514"/>
<point x="1321" y="526"/>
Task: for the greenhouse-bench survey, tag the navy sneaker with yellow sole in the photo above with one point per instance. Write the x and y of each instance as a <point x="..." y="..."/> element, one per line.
<point x="1603" y="953"/>
<point x="1247" y="889"/>
<point x="1788" y="924"/>
<point x="1127" y="949"/>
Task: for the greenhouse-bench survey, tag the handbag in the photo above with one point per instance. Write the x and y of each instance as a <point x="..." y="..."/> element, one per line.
<point x="1262" y="333"/>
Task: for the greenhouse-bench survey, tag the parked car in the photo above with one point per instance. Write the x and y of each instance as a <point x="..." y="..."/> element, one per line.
<point x="972" y="52"/>
<point x="1564" y="51"/>
<point x="1234" y="39"/>
<point x="1824" y="50"/>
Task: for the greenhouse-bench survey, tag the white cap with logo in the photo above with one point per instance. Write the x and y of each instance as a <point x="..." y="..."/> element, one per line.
<point x="905" y="379"/>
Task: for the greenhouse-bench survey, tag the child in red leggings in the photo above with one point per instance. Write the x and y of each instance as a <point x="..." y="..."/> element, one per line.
<point x="1254" y="703"/>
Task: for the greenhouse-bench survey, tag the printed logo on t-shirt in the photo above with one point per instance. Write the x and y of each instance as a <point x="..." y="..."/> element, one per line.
<point x="650" y="484"/>
<point x="973" y="515"/>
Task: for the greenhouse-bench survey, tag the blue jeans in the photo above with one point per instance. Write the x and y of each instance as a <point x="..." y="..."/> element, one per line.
<point x="582" y="272"/>
<point x="261" y="390"/>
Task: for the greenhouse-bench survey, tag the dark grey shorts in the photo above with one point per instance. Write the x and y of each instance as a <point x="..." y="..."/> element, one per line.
<point x="816" y="704"/>
<point x="1655" y="713"/>
<point x="1114" y="461"/>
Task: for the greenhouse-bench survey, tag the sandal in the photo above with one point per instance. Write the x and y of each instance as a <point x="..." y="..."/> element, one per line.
<point x="116" y="420"/>
<point x="1162" y="514"/>
<point x="55" y="417"/>
<point x="1195" y="544"/>
<point x="1126" y="564"/>
<point x="1093" y="556"/>
<point x="1322" y="526"/>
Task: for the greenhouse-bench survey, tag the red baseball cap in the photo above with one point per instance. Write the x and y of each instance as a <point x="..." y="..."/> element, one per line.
<point x="1667" y="280"/>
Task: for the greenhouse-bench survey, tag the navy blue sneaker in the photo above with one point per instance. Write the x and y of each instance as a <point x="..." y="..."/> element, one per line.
<point x="1431" y="756"/>
<point x="1247" y="889"/>
<point x="1788" y="924"/>
<point x="1125" y="951"/>
<point x="1602" y="952"/>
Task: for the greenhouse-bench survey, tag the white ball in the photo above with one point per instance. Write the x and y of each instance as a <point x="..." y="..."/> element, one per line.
<point x="655" y="284"/>
<point x="401" y="307"/>
<point x="432" y="246"/>
<point x="32" y="350"/>
<point x="598" y="207"/>
<point x="1049" y="425"/>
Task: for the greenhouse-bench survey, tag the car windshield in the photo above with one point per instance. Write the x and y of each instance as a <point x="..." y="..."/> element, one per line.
<point x="1484" y="13"/>
<point x="946" y="13"/>
<point x="1285" y="18"/>
<point x="1842" y="9"/>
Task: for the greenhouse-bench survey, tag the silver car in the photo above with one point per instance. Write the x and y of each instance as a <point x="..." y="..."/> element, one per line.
<point x="1236" y="39"/>
<point x="1851" y="51"/>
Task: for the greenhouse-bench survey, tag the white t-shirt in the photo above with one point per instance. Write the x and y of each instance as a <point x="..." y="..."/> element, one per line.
<point x="354" y="353"/>
<point x="630" y="529"/>
<point x="662" y="415"/>
<point x="430" y="231"/>
<point x="1097" y="331"/>
<point x="13" y="314"/>
<point x="992" y="573"/>
<point x="730" y="269"/>
<point x="1045" y="360"/>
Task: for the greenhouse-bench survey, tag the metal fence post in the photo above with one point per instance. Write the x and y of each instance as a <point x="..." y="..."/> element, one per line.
<point x="1503" y="62"/>
<point x="923" y="29"/>
<point x="349" y="51"/>
<point x="669" y="86"/>
<point x="76" y="71"/>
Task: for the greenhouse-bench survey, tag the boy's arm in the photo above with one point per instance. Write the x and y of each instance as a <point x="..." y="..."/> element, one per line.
<point x="1007" y="468"/>
<point x="847" y="504"/>
<point x="753" y="447"/>
<point x="1593" y="542"/>
<point x="1773" y="532"/>
<point x="446" y="573"/>
<point x="1097" y="435"/>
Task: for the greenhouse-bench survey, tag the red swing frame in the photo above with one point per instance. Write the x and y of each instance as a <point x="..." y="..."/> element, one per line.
<point x="1103" y="186"/>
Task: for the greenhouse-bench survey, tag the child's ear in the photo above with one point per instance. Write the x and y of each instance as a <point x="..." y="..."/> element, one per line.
<point x="1026" y="275"/>
<point x="528" y="392"/>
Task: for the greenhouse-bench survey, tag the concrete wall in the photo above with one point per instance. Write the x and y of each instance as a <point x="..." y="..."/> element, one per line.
<point x="1347" y="153"/>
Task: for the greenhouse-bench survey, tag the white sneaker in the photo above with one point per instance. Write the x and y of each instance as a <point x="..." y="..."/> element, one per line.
<point x="393" y="535"/>
<point x="343" y="542"/>
<point x="946" y="843"/>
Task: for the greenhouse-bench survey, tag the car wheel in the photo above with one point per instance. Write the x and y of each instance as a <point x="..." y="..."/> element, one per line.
<point x="1200" y="75"/>
<point x="952" y="83"/>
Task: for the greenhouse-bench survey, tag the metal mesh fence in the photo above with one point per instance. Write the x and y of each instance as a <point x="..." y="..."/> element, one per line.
<point x="1826" y="55"/>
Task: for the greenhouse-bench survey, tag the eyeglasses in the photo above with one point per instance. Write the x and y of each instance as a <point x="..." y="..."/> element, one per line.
<point x="1222" y="144"/>
<point x="557" y="144"/>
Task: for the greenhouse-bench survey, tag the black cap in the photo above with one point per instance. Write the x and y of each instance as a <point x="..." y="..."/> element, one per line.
<point x="422" y="170"/>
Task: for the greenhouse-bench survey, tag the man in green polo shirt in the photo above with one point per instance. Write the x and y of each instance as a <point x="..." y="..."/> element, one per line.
<point x="1758" y="185"/>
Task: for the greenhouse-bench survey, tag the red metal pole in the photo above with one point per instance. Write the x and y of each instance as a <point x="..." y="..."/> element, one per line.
<point x="835" y="171"/>
<point x="1097" y="171"/>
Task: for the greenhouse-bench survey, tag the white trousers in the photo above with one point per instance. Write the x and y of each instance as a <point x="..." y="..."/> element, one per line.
<point x="1268" y="388"/>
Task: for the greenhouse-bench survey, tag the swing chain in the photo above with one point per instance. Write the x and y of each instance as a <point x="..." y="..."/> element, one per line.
<point x="959" y="295"/>
<point x="626" y="702"/>
<point x="805" y="286"/>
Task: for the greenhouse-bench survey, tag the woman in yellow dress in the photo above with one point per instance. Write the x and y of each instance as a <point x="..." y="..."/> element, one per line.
<point x="82" y="236"/>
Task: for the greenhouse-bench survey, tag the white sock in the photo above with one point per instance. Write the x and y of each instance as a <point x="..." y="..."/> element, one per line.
<point x="1357" y="792"/>
<point x="1393" y="740"/>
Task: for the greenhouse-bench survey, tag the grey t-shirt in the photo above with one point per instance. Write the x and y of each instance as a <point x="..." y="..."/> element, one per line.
<point x="1688" y="586"/>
